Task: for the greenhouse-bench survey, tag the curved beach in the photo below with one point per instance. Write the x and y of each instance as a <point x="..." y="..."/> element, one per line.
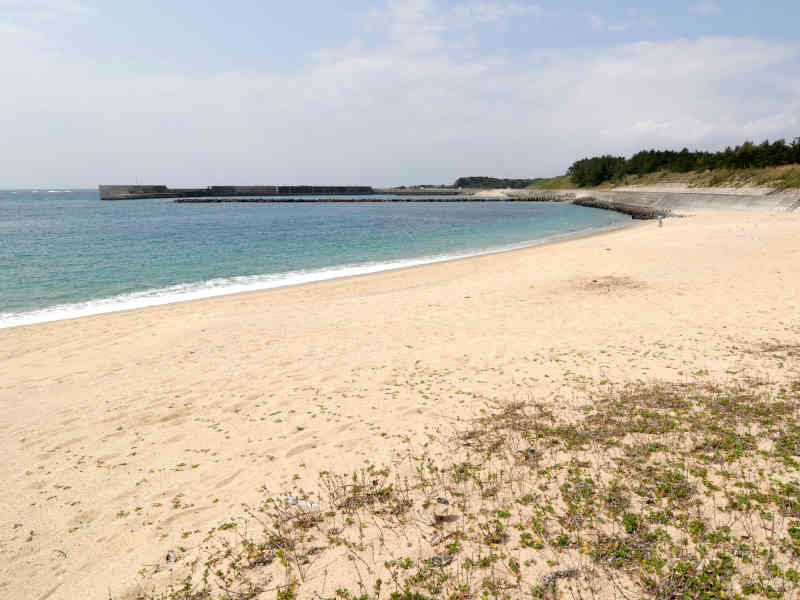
<point x="125" y="434"/>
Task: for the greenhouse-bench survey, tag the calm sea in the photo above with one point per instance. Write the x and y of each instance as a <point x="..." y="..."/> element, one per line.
<point x="66" y="253"/>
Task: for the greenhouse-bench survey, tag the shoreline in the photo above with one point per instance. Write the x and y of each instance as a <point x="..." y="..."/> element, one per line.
<point x="145" y="299"/>
<point x="131" y="434"/>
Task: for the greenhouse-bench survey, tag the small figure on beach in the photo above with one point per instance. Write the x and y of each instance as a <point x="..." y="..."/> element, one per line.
<point x="660" y="220"/>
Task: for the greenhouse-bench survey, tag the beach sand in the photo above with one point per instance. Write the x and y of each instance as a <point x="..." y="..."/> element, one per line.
<point x="122" y="435"/>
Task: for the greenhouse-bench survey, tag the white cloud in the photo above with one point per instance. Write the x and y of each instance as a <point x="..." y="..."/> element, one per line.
<point x="631" y="21"/>
<point x="401" y="113"/>
<point x="705" y="8"/>
<point x="425" y="25"/>
<point x="413" y="24"/>
<point x="600" y="23"/>
<point x="40" y="10"/>
<point x="492" y="12"/>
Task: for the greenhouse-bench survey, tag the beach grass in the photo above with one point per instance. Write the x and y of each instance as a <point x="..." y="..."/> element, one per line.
<point x="649" y="490"/>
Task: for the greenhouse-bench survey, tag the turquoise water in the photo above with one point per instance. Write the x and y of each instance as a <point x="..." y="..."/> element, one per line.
<point x="66" y="253"/>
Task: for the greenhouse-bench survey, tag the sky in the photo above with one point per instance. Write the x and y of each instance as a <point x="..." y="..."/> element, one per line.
<point x="200" y="92"/>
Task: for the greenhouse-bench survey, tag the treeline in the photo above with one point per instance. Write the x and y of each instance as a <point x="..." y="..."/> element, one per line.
<point x="492" y="182"/>
<point x="600" y="169"/>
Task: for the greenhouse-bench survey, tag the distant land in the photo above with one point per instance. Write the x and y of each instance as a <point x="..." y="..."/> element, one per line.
<point x="769" y="164"/>
<point x="494" y="183"/>
<point x="774" y="165"/>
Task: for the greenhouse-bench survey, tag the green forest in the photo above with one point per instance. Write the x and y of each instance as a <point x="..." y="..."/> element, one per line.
<point x="597" y="170"/>
<point x="492" y="182"/>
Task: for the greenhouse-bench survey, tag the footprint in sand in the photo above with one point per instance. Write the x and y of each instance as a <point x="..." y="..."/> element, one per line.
<point x="351" y="443"/>
<point x="50" y="592"/>
<point x="119" y="416"/>
<point x="83" y="518"/>
<point x="177" y="416"/>
<point x="223" y="482"/>
<point x="70" y="442"/>
<point x="299" y="449"/>
<point x="181" y="515"/>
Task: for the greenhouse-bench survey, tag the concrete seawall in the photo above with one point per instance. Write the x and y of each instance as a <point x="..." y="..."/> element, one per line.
<point x="639" y="204"/>
<point x="137" y="192"/>
<point x="544" y="197"/>
<point x="682" y="202"/>
<point x="651" y="204"/>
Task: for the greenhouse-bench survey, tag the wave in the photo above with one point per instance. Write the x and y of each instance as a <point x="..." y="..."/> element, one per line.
<point x="233" y="285"/>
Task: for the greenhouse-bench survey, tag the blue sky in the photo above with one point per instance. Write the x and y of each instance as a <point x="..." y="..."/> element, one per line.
<point x="420" y="91"/>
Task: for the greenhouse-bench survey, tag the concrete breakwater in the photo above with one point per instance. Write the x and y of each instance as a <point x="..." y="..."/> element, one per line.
<point x="634" y="210"/>
<point x="281" y="200"/>
<point x="540" y="195"/>
<point x="136" y="192"/>
<point x="637" y="204"/>
<point x="423" y="191"/>
<point x="628" y="207"/>
<point x="521" y="196"/>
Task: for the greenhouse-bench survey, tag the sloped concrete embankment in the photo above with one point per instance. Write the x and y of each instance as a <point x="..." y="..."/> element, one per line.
<point x="652" y="204"/>
<point x="689" y="201"/>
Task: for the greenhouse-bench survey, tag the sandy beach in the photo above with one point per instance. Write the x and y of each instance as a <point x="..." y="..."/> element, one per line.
<point x="127" y="434"/>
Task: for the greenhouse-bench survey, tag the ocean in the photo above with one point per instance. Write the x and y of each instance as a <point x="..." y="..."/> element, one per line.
<point x="65" y="253"/>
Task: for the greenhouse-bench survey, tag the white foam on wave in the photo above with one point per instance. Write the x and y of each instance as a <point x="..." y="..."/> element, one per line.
<point x="251" y="283"/>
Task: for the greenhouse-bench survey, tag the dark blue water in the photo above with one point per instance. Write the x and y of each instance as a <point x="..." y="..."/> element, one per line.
<point x="65" y="254"/>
